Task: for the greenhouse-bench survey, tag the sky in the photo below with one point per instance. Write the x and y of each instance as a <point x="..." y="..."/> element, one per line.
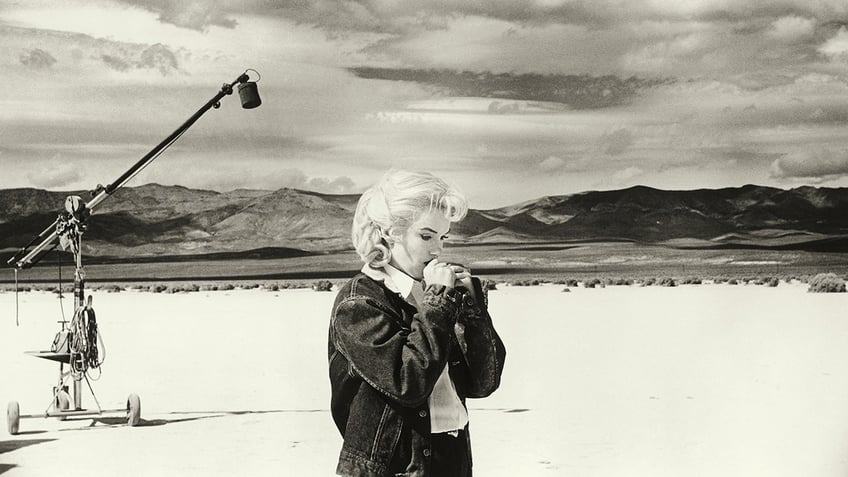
<point x="510" y="100"/>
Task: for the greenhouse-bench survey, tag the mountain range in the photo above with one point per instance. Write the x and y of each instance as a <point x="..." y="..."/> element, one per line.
<point x="154" y="220"/>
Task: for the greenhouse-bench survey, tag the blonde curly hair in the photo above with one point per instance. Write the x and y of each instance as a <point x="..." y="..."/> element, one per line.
<point x="387" y="209"/>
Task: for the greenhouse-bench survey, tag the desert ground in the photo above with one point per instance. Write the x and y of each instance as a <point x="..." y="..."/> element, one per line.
<point x="697" y="380"/>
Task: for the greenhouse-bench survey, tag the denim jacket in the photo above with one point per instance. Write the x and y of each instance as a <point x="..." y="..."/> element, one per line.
<point x="385" y="357"/>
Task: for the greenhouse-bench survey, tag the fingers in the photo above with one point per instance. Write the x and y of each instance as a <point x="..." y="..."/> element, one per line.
<point x="459" y="268"/>
<point x="463" y="274"/>
<point x="439" y="273"/>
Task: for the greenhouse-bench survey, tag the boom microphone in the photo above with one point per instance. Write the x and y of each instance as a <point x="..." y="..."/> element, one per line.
<point x="249" y="94"/>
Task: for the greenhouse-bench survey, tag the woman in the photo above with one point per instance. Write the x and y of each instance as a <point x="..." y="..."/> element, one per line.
<point x="410" y="337"/>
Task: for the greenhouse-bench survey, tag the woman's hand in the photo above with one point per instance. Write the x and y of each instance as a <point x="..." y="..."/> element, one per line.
<point x="463" y="278"/>
<point x="437" y="273"/>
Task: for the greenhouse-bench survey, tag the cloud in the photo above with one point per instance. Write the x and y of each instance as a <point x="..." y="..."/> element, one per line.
<point x="74" y="56"/>
<point x="626" y="175"/>
<point x="125" y="58"/>
<point x="813" y="164"/>
<point x="577" y="91"/>
<point x="552" y="163"/>
<point x="836" y="48"/>
<point x="117" y="64"/>
<point x="792" y="28"/>
<point x="297" y="179"/>
<point x="37" y="59"/>
<point x="267" y="175"/>
<point x="159" y="57"/>
<point x="403" y="16"/>
<point x="339" y="185"/>
<point x="191" y="14"/>
<point x="56" y="175"/>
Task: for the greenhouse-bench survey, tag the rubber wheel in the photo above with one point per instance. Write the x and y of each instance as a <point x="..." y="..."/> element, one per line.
<point x="63" y="403"/>
<point x="13" y="417"/>
<point x="133" y="410"/>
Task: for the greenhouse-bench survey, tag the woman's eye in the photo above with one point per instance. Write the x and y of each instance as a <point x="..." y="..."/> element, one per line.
<point x="426" y="237"/>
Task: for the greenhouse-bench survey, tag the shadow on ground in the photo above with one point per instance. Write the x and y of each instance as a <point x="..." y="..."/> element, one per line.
<point x="185" y="416"/>
<point x="9" y="446"/>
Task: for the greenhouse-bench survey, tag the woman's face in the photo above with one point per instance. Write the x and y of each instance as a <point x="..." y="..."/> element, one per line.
<point x="422" y="242"/>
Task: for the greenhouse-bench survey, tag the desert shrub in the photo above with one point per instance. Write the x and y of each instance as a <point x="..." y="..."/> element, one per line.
<point x="114" y="289"/>
<point x="526" y="283"/>
<point x="228" y="286"/>
<point x="773" y="282"/>
<point x="158" y="288"/>
<point x="591" y="283"/>
<point x="732" y="281"/>
<point x="691" y="281"/>
<point x="826" y="283"/>
<point x="566" y="290"/>
<point x="489" y="285"/>
<point x="649" y="282"/>
<point x="322" y="285"/>
<point x="667" y="282"/>
<point x="571" y="282"/>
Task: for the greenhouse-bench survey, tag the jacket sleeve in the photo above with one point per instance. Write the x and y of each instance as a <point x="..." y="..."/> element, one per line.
<point x="481" y="346"/>
<point x="401" y="363"/>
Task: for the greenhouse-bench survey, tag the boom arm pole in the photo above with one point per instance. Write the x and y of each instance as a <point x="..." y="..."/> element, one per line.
<point x="21" y="261"/>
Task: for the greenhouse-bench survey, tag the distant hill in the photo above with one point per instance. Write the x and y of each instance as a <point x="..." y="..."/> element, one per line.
<point x="155" y="220"/>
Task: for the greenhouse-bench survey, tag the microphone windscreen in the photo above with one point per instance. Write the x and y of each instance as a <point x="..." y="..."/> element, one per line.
<point x="249" y="94"/>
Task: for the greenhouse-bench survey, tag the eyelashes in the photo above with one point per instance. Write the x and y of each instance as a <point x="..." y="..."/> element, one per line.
<point x="428" y="237"/>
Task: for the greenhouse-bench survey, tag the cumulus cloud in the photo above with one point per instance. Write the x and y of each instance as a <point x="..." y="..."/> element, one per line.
<point x="626" y="175"/>
<point x="812" y="164"/>
<point x="55" y="175"/>
<point x="339" y="185"/>
<point x="115" y="63"/>
<point x="159" y="57"/>
<point x="792" y="28"/>
<point x="551" y="163"/>
<point x="37" y="58"/>
<point x="836" y="48"/>
<point x="294" y="178"/>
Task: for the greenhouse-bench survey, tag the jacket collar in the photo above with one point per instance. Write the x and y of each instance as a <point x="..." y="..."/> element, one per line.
<point x="397" y="281"/>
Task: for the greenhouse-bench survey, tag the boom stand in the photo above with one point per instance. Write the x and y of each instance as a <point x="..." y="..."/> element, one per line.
<point x="76" y="346"/>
